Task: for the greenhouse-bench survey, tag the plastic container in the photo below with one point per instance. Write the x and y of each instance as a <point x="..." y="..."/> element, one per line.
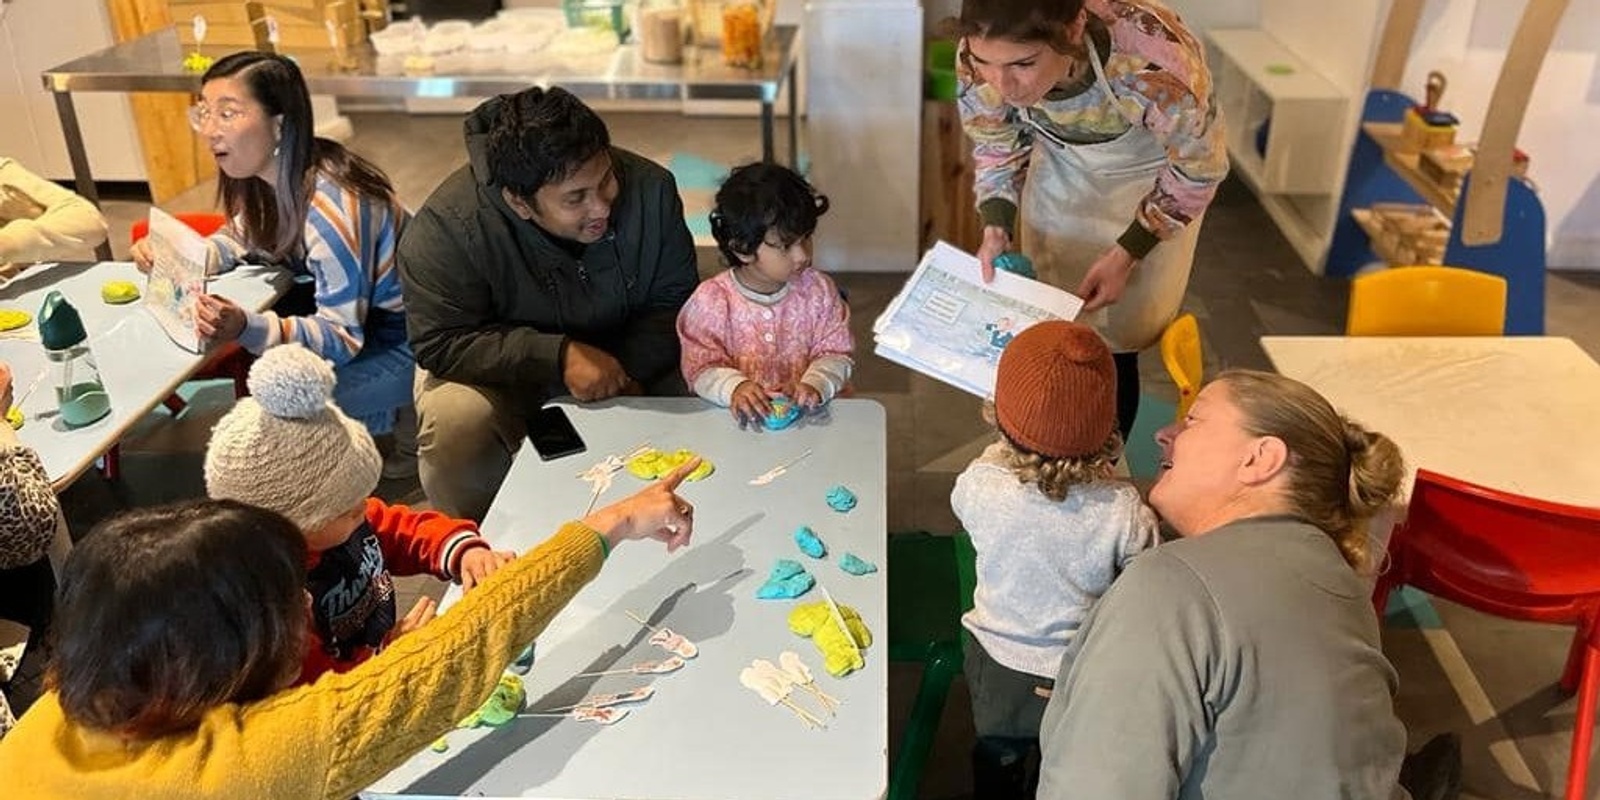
<point x="80" y="394"/>
<point x="660" y="31"/>
<point x="607" y="14"/>
<point x="940" y="68"/>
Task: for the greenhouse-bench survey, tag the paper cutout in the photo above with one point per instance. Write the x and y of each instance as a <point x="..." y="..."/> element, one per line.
<point x="787" y="580"/>
<point x="662" y="667"/>
<point x="599" y="476"/>
<point x="674" y="643"/>
<point x="119" y="292"/>
<point x="600" y="716"/>
<point x="667" y="639"/>
<point x="808" y="542"/>
<point x="856" y="566"/>
<point x="773" y="474"/>
<point x="653" y="464"/>
<point x="775" y="691"/>
<point x="841" y="499"/>
<point x="177" y="276"/>
<point x="800" y="675"/>
<point x="638" y="695"/>
<point x="782" y="412"/>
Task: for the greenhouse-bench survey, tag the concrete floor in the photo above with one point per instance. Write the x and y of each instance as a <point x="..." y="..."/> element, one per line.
<point x="1491" y="681"/>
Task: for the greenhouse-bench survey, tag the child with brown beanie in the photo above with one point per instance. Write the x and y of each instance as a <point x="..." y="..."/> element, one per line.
<point x="1052" y="528"/>
<point x="288" y="448"/>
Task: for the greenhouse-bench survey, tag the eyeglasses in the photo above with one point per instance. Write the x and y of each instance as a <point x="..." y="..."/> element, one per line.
<point x="200" y="114"/>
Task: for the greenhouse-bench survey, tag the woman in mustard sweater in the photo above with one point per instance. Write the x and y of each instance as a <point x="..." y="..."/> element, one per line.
<point x="178" y="627"/>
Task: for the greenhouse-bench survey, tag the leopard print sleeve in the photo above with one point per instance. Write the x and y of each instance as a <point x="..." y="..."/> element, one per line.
<point x="28" y="507"/>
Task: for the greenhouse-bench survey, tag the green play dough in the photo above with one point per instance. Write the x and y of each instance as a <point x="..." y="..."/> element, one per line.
<point x="119" y="292"/>
<point x="502" y="705"/>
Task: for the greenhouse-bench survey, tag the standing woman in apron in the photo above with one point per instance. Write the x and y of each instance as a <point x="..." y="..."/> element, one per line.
<point x="1096" y="118"/>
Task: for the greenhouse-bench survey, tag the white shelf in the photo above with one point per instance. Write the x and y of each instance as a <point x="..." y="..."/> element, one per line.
<point x="1278" y="73"/>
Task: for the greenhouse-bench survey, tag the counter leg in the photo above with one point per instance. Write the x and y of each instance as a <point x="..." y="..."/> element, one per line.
<point x="766" y="130"/>
<point x="794" y="116"/>
<point x="80" y="159"/>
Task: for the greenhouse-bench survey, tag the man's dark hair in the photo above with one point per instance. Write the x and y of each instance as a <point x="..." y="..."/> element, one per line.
<point x="165" y="613"/>
<point x="762" y="197"/>
<point x="540" y="137"/>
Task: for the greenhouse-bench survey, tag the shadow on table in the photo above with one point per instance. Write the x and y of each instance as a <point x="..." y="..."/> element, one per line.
<point x="692" y="595"/>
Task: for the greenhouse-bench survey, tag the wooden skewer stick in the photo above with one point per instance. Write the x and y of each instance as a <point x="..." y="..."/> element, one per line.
<point x="640" y="620"/>
<point x="805" y="716"/>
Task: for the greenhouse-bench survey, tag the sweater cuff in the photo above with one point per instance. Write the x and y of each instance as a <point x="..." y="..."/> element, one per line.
<point x="456" y="548"/>
<point x="1000" y="212"/>
<point x="605" y="547"/>
<point x="1138" y="241"/>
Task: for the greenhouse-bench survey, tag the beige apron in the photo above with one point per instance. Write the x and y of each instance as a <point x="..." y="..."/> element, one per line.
<point x="1079" y="198"/>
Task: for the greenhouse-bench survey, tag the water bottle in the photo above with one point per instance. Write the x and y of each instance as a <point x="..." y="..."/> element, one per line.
<point x="80" y="395"/>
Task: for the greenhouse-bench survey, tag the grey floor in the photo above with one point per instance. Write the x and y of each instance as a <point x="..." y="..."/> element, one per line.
<point x="1247" y="282"/>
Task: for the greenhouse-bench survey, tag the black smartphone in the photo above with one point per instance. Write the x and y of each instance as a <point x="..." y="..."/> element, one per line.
<point x="552" y="434"/>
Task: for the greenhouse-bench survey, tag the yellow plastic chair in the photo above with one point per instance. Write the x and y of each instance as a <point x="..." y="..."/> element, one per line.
<point x="1427" y="301"/>
<point x="1180" y="351"/>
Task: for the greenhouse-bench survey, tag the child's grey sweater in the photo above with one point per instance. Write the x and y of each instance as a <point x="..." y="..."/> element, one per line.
<point x="1042" y="564"/>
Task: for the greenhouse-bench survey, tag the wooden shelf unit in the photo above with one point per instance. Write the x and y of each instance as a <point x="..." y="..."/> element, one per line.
<point x="1387" y="135"/>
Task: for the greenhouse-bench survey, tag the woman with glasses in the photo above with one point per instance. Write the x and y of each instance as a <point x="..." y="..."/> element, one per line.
<point x="1097" y="118"/>
<point x="327" y="215"/>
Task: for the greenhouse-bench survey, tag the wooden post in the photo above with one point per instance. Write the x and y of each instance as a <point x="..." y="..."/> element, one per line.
<point x="1394" y="46"/>
<point x="173" y="157"/>
<point x="1484" y="216"/>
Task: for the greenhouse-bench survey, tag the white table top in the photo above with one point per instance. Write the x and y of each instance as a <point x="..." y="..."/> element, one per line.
<point x="139" y="365"/>
<point x="1520" y="414"/>
<point x="703" y="735"/>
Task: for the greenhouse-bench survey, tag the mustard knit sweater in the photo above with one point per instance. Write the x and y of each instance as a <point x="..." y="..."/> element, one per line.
<point x="330" y="739"/>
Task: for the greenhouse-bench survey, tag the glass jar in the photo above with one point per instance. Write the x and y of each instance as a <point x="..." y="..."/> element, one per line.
<point x="742" y="33"/>
<point x="660" y="30"/>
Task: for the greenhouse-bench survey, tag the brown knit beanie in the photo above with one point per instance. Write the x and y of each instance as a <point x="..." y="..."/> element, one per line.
<point x="1056" y="390"/>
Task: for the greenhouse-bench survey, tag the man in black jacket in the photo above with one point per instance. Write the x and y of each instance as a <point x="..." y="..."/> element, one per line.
<point x="552" y="264"/>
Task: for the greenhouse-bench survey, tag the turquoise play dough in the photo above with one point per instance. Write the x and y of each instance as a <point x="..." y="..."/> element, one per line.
<point x="856" y="566"/>
<point x="788" y="580"/>
<point x="808" y="542"/>
<point x="841" y="499"/>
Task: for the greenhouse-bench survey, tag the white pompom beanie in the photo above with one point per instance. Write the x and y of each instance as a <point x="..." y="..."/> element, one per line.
<point x="288" y="448"/>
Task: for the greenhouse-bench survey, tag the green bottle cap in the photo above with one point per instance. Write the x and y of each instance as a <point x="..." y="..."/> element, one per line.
<point x="60" y="327"/>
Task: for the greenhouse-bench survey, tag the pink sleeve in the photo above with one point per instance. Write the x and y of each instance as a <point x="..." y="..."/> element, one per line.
<point x="830" y="322"/>
<point x="703" y="331"/>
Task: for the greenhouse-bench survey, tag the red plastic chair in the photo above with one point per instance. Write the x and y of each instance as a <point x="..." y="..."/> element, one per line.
<point x="1516" y="558"/>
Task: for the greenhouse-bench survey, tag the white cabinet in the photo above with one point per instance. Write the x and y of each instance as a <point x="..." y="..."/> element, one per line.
<point x="1289" y="133"/>
<point x="36" y="35"/>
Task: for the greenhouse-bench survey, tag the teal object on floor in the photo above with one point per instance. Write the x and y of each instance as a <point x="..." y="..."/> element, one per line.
<point x="1016" y="264"/>
<point x="1141" y="451"/>
<point x="693" y="172"/>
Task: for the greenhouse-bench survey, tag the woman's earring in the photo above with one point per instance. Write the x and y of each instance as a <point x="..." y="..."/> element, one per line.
<point x="275" y="149"/>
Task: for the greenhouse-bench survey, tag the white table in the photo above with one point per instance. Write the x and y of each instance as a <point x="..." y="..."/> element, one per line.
<point x="1520" y="414"/>
<point x="703" y="735"/>
<point x="139" y="365"/>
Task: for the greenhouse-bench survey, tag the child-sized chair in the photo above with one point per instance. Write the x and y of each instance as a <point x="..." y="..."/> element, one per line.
<point x="1516" y="558"/>
<point x="1184" y="359"/>
<point x="931" y="580"/>
<point x="1427" y="301"/>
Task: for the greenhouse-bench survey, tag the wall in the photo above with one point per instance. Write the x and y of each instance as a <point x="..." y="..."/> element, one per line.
<point x="1466" y="40"/>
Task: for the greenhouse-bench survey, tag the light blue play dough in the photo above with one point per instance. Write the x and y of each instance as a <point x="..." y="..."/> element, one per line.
<point x="809" y="543"/>
<point x="841" y="499"/>
<point x="783" y="412"/>
<point x="856" y="566"/>
<point x="788" y="580"/>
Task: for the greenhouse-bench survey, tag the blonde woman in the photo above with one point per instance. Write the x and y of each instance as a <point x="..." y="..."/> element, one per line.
<point x="1052" y="528"/>
<point x="1243" y="660"/>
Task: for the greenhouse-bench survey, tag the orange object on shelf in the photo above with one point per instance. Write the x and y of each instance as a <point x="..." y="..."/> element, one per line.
<point x="741" y="35"/>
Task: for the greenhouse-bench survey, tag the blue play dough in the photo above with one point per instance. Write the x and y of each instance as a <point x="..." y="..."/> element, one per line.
<point x="841" y="499"/>
<point x="523" y="661"/>
<point x="776" y="421"/>
<point x="788" y="580"/>
<point x="809" y="543"/>
<point x="855" y="566"/>
<point x="785" y="568"/>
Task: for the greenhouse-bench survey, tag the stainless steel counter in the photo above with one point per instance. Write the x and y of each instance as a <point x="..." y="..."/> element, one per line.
<point x="154" y="63"/>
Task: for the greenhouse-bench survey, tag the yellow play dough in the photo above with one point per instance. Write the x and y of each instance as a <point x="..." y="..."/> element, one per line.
<point x="16" y="418"/>
<point x="838" y="657"/>
<point x="653" y="464"/>
<point x="119" y="292"/>
<point x="12" y="319"/>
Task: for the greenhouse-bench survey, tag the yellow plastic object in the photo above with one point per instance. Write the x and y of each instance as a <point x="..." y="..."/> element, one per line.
<point x="838" y="657"/>
<point x="12" y="319"/>
<point x="653" y="464"/>
<point x="1427" y="301"/>
<point x="119" y="292"/>
<point x="1181" y="353"/>
<point x="15" y="418"/>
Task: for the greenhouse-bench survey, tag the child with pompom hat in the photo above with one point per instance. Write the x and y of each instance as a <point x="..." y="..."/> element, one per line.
<point x="1052" y="528"/>
<point x="289" y="449"/>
